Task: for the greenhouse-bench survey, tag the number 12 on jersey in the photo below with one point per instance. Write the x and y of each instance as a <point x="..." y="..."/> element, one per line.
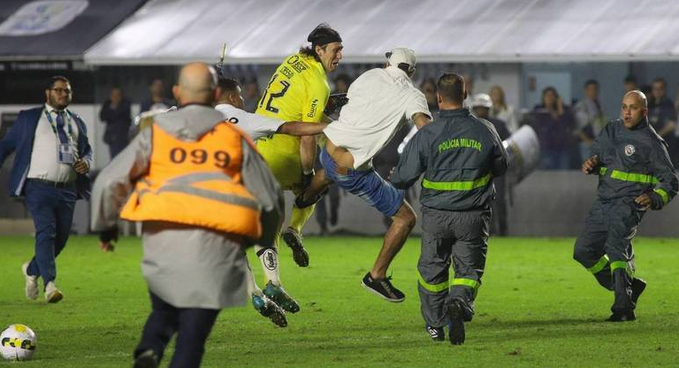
<point x="271" y="96"/>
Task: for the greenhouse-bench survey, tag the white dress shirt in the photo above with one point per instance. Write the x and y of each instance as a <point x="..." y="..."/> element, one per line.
<point x="44" y="157"/>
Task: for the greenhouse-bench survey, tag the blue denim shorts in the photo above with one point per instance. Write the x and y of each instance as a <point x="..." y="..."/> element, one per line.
<point x="367" y="184"/>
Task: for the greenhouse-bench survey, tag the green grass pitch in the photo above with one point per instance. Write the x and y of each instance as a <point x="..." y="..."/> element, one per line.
<point x="537" y="308"/>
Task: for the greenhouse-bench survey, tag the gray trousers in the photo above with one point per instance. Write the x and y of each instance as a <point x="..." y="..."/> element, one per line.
<point x="605" y="247"/>
<point x="453" y="237"/>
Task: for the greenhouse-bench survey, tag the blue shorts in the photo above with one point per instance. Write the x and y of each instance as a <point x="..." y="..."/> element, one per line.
<point x="368" y="185"/>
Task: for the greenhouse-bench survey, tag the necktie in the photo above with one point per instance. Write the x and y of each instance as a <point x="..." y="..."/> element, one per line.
<point x="63" y="138"/>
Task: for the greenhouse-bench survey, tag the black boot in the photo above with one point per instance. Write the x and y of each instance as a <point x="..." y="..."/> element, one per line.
<point x="623" y="306"/>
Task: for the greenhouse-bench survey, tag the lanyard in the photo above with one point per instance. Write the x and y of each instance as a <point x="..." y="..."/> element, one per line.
<point x="68" y="122"/>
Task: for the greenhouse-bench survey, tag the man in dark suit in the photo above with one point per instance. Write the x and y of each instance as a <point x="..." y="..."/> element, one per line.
<point x="53" y="157"/>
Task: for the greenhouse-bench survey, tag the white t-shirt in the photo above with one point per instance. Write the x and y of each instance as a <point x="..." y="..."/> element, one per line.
<point x="380" y="100"/>
<point x="256" y="126"/>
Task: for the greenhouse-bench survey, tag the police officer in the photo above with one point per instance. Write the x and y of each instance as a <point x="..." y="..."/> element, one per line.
<point x="635" y="173"/>
<point x="191" y="179"/>
<point x="459" y="155"/>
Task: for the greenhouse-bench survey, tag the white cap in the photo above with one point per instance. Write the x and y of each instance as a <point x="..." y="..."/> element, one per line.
<point x="482" y="100"/>
<point x="400" y="55"/>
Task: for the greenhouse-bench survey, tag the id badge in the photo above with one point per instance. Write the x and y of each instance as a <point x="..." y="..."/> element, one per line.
<point x="66" y="155"/>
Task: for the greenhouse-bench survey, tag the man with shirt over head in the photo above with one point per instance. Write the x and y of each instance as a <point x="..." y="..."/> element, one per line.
<point x="460" y="156"/>
<point x="53" y="157"/>
<point x="381" y="100"/>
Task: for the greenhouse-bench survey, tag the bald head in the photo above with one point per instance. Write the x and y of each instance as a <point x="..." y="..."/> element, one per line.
<point x="197" y="83"/>
<point x="638" y="96"/>
<point x="634" y="108"/>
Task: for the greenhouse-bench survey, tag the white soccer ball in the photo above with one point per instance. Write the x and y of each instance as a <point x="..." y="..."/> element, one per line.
<point x="18" y="342"/>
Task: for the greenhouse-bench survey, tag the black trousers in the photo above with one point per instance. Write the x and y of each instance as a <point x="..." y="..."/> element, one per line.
<point x="192" y="326"/>
<point x="605" y="247"/>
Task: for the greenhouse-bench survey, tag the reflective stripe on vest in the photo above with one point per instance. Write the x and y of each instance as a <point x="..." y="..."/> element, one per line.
<point x="196" y="183"/>
<point x="457" y="185"/>
<point x="628" y="176"/>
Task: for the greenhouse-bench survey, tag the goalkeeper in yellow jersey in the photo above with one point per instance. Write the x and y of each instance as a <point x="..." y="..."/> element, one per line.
<point x="299" y="91"/>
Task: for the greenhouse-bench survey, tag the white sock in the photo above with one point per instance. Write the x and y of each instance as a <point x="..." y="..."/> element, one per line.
<point x="269" y="259"/>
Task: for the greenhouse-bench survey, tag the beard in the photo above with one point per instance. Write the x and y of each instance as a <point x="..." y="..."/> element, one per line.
<point x="58" y="103"/>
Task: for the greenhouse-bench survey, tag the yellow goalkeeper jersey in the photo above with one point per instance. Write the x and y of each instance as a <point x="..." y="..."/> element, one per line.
<point x="297" y="91"/>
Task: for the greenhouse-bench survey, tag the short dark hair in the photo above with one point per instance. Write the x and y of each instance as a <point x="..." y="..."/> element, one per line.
<point x="631" y="79"/>
<point x="55" y="79"/>
<point x="589" y="82"/>
<point x="660" y="80"/>
<point x="228" y="84"/>
<point x="450" y="87"/>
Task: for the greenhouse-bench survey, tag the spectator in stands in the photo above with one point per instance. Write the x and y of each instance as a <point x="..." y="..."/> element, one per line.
<point x="501" y="110"/>
<point x="342" y="83"/>
<point x="158" y="99"/>
<point x="663" y="116"/>
<point x="252" y="95"/>
<point x="589" y="117"/>
<point x="631" y="83"/>
<point x="481" y="107"/>
<point x="554" y="124"/>
<point x="115" y="113"/>
<point x="469" y="84"/>
<point x="428" y="87"/>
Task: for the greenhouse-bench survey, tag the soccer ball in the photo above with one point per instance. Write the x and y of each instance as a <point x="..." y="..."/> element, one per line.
<point x="18" y="342"/>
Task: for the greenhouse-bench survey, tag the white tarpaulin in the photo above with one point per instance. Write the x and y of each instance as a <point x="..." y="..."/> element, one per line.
<point x="264" y="31"/>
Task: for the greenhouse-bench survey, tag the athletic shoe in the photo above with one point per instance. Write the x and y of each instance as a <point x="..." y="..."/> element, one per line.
<point x="622" y="317"/>
<point x="436" y="333"/>
<point x="281" y="298"/>
<point x="455" y="315"/>
<point x="269" y="309"/>
<point x="638" y="287"/>
<point x="147" y="359"/>
<point x="31" y="283"/>
<point x="52" y="294"/>
<point x="383" y="288"/>
<point x="294" y="240"/>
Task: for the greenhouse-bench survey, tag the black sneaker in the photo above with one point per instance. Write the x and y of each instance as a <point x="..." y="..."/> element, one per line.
<point x="383" y="288"/>
<point x="436" y="333"/>
<point x="294" y="240"/>
<point x="622" y="317"/>
<point x="638" y="287"/>
<point x="146" y="359"/>
<point x="456" y="325"/>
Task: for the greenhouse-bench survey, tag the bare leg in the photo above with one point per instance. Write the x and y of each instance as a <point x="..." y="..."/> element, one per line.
<point x="403" y="222"/>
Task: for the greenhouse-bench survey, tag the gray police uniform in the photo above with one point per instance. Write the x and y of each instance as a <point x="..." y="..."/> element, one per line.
<point x="632" y="162"/>
<point x="459" y="155"/>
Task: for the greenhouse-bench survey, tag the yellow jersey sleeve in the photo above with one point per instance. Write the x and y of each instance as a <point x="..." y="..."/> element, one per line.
<point x="297" y="91"/>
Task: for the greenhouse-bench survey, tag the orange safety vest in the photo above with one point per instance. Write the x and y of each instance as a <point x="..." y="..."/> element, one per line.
<point x="196" y="183"/>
